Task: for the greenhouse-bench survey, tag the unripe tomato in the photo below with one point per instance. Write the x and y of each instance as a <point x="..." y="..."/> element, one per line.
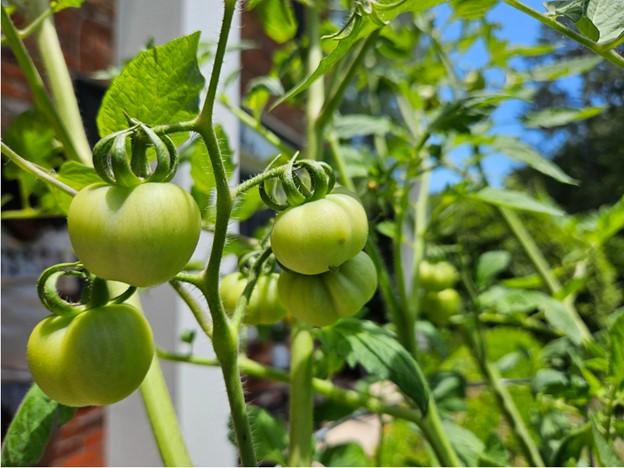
<point x="96" y="357"/>
<point x="140" y="235"/>
<point x="264" y="305"/>
<point x="439" y="306"/>
<point x="322" y="299"/>
<point x="319" y="235"/>
<point x="437" y="276"/>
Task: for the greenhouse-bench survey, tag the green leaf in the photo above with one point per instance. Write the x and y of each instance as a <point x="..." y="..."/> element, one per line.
<point x="495" y="453"/>
<point x="348" y="126"/>
<point x="361" y="24"/>
<point x="459" y="115"/>
<point x="521" y="152"/>
<point x="616" y="348"/>
<point x="160" y="86"/>
<point x="608" y="18"/>
<point x="468" y="446"/>
<point x="563" y="68"/>
<point x="573" y="9"/>
<point x="270" y="436"/>
<point x="512" y="301"/>
<point x="513" y="199"/>
<point x="606" y="454"/>
<point x="609" y="223"/>
<point x="347" y="454"/>
<point x="559" y="316"/>
<point x="277" y="19"/>
<point x="472" y="9"/>
<point x="77" y="176"/>
<point x="569" y="451"/>
<point x="554" y="117"/>
<point x="491" y="264"/>
<point x="31" y="428"/>
<point x="588" y="29"/>
<point x="247" y="205"/>
<point x="374" y="348"/>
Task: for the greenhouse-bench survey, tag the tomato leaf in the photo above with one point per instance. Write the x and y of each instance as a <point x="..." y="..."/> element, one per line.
<point x="521" y="152"/>
<point x="161" y="85"/>
<point x="556" y="117"/>
<point x="347" y="454"/>
<point x="31" y="428"/>
<point x="606" y="454"/>
<point x="377" y="350"/>
<point x="361" y="24"/>
<point x="277" y="19"/>
<point x="513" y="199"/>
<point x="491" y="264"/>
<point x="607" y="16"/>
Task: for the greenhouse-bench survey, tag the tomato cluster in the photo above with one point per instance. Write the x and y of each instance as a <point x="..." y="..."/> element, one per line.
<point x="95" y="357"/>
<point x="326" y="274"/>
<point x="439" y="301"/>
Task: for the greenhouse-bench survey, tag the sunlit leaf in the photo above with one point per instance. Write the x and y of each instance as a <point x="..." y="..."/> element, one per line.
<point x="521" y="152"/>
<point x="554" y="117"/>
<point x="374" y="348"/>
<point x="514" y="199"/>
<point x="277" y="19"/>
<point x="607" y="16"/>
<point x="161" y="85"/>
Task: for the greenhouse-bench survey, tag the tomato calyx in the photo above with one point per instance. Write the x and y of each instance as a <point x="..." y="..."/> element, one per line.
<point x="95" y="293"/>
<point x="302" y="181"/>
<point x="112" y="164"/>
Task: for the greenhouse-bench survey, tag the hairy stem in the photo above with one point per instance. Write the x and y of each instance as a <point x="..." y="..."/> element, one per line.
<point x="36" y="170"/>
<point x="224" y="336"/>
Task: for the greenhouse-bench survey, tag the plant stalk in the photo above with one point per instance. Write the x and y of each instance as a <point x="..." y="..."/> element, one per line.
<point x="163" y="419"/>
<point x="301" y="405"/>
<point x="432" y="428"/>
<point x="60" y="81"/>
<point x="316" y="91"/>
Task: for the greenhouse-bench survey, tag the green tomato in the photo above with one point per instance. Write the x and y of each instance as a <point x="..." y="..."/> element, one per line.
<point x="140" y="235"/>
<point x="96" y="357"/>
<point x="264" y="305"/>
<point x="439" y="306"/>
<point x="437" y="276"/>
<point x="322" y="299"/>
<point x="319" y="235"/>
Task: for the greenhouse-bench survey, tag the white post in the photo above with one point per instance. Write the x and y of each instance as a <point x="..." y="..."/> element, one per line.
<point x="198" y="392"/>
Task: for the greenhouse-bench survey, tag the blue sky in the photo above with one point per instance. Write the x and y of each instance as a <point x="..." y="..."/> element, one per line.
<point x="518" y="28"/>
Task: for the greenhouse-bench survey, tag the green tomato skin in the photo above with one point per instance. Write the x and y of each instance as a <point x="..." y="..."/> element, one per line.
<point x="140" y="235"/>
<point x="264" y="308"/>
<point x="322" y="299"/>
<point x="314" y="237"/>
<point x="96" y="357"/>
<point x="439" y="306"/>
<point x="437" y="276"/>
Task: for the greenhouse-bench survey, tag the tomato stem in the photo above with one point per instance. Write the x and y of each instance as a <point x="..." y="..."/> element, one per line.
<point x="224" y="335"/>
<point x="301" y="406"/>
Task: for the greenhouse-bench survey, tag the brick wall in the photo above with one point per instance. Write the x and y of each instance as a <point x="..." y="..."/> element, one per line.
<point x="85" y="35"/>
